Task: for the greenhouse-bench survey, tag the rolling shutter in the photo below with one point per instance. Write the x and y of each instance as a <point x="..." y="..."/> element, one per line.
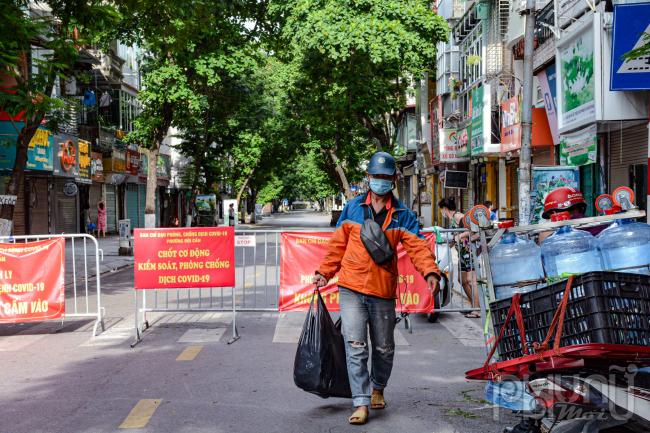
<point x="132" y="204"/>
<point x="111" y="209"/>
<point x="626" y="148"/>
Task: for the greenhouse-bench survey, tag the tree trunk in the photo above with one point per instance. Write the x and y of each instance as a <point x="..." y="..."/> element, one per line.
<point x="243" y="188"/>
<point x="152" y="187"/>
<point x="253" y="200"/>
<point x="17" y="175"/>
<point x="342" y="179"/>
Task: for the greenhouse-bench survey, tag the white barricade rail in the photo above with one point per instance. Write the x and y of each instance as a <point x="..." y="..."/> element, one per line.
<point x="82" y="280"/>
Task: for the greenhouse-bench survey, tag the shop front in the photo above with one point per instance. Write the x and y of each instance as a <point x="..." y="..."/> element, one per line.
<point x="114" y="167"/>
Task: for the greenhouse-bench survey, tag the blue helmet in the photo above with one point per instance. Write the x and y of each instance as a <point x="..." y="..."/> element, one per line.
<point x="382" y="163"/>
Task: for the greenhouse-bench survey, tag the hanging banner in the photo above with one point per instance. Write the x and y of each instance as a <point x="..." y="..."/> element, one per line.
<point x="184" y="258"/>
<point x="32" y="281"/>
<point x="453" y="145"/>
<point x="476" y="135"/>
<point x="547" y="83"/>
<point x="577" y="93"/>
<point x="579" y="148"/>
<point x="302" y="252"/>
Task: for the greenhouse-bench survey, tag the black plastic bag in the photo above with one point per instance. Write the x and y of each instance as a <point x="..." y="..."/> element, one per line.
<point x="320" y="366"/>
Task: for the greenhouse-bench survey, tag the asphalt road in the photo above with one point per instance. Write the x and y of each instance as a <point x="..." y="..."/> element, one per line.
<point x="184" y="377"/>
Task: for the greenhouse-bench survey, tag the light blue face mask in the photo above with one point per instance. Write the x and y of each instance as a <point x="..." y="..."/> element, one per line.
<point x="381" y="186"/>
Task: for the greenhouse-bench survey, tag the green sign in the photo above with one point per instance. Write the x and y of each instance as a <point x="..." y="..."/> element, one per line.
<point x="476" y="134"/>
<point x="579" y="148"/>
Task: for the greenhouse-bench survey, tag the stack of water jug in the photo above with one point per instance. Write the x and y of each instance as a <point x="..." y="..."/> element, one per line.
<point x="624" y="246"/>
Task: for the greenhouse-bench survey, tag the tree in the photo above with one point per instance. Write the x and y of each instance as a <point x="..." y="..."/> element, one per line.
<point x="58" y="33"/>
<point x="356" y="60"/>
<point x="198" y="41"/>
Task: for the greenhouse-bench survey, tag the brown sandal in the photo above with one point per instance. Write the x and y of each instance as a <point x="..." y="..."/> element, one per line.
<point x="377" y="401"/>
<point x="359" y="416"/>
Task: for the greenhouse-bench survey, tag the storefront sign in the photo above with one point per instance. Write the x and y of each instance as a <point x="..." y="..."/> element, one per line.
<point x="66" y="161"/>
<point x="31" y="281"/>
<point x="510" y="125"/>
<point x="132" y="162"/>
<point x="579" y="148"/>
<point x="97" y="167"/>
<point x="545" y="180"/>
<point x="301" y="253"/>
<point x="84" y="162"/>
<point x="547" y="82"/>
<point x="163" y="167"/>
<point x="631" y="30"/>
<point x="39" y="152"/>
<point x="576" y="95"/>
<point x="453" y="145"/>
<point x="116" y="163"/>
<point x="184" y="258"/>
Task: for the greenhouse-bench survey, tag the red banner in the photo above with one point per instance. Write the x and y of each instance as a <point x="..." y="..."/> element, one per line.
<point x="184" y="258"/>
<point x="31" y="281"/>
<point x="302" y="252"/>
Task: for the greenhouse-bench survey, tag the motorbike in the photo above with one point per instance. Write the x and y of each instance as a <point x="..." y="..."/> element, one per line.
<point x="616" y="401"/>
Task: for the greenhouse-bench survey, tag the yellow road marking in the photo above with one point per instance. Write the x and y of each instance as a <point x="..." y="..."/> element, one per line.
<point x="141" y="414"/>
<point x="189" y="353"/>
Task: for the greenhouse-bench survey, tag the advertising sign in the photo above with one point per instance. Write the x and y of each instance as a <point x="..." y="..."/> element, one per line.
<point x="184" y="258"/>
<point x="510" y="125"/>
<point x="547" y="82"/>
<point x="206" y="203"/>
<point x="453" y="145"/>
<point x="39" y="153"/>
<point x="545" y="180"/>
<point x="631" y="31"/>
<point x="476" y="134"/>
<point x="576" y="80"/>
<point x="66" y="162"/>
<point x="300" y="254"/>
<point x="579" y="148"/>
<point x="85" y="162"/>
<point x="97" y="167"/>
<point x="32" y="281"/>
<point x="132" y="162"/>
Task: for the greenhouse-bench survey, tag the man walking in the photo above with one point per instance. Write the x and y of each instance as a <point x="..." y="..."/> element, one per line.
<point x="367" y="289"/>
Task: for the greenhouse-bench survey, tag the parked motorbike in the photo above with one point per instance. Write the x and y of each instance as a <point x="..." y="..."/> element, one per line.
<point x="614" y="402"/>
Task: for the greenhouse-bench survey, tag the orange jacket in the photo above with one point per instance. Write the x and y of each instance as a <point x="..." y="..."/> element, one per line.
<point x="348" y="256"/>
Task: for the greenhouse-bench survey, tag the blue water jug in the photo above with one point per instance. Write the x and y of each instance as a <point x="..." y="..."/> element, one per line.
<point x="512" y="260"/>
<point x="569" y="251"/>
<point x="511" y="395"/>
<point x="626" y="244"/>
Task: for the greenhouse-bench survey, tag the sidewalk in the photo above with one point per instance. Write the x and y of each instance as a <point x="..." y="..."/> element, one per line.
<point x="109" y="261"/>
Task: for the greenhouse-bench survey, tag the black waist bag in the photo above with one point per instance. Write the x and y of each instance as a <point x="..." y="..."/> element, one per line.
<point x="376" y="242"/>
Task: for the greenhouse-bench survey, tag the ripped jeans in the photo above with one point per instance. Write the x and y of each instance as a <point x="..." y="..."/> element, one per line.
<point x="358" y="312"/>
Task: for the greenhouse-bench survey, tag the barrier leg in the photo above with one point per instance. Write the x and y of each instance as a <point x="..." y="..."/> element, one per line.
<point x="138" y="335"/>
<point x="235" y="334"/>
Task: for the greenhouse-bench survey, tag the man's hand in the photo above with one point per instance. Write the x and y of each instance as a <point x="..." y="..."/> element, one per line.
<point x="432" y="283"/>
<point x="319" y="280"/>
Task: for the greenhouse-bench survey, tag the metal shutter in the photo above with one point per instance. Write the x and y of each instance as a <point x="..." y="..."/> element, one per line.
<point x="132" y="204"/>
<point x="19" y="213"/>
<point x="94" y="195"/>
<point x="111" y="209"/>
<point x="66" y="210"/>
<point x="142" y="202"/>
<point x="626" y="147"/>
<point x="39" y="206"/>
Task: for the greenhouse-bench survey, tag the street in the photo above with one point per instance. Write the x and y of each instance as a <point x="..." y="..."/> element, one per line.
<point x="184" y="377"/>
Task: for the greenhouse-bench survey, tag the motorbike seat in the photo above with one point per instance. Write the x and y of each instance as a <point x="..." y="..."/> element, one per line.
<point x="642" y="378"/>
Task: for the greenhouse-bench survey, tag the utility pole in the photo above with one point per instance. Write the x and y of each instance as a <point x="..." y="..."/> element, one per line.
<point x="527" y="115"/>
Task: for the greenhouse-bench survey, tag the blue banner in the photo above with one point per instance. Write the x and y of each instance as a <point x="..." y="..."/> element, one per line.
<point x="40" y="154"/>
<point x="631" y="31"/>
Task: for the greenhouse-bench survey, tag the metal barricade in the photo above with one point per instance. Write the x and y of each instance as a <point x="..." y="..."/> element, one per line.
<point x="82" y="272"/>
<point x="257" y="284"/>
<point x="458" y="261"/>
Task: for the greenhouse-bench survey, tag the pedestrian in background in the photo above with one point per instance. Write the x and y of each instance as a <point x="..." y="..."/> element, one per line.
<point x="101" y="218"/>
<point x="467" y="272"/>
<point x="493" y="214"/>
<point x="367" y="289"/>
<point x="231" y="215"/>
